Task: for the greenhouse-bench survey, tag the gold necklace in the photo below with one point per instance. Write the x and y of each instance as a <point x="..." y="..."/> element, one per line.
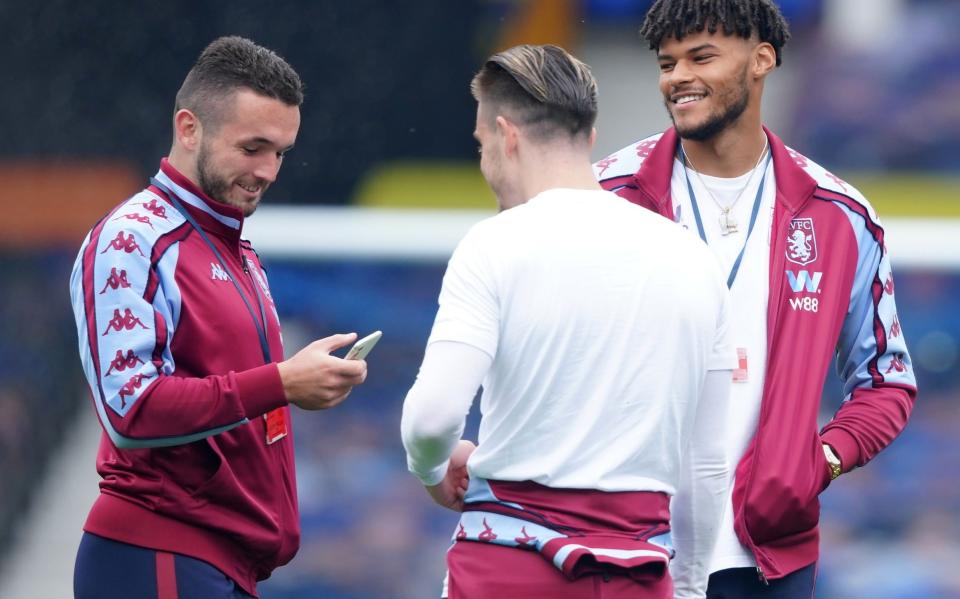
<point x="728" y="222"/>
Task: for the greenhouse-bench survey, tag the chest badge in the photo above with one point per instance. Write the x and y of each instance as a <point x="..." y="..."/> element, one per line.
<point x="801" y="242"/>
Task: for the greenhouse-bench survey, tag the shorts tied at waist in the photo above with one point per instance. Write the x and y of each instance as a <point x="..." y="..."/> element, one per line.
<point x="629" y="531"/>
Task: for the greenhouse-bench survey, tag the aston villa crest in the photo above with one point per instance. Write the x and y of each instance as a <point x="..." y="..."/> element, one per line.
<point x="801" y="242"/>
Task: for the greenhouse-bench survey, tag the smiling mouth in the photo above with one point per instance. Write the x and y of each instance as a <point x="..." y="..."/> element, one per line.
<point x="680" y="100"/>
<point x="250" y="189"/>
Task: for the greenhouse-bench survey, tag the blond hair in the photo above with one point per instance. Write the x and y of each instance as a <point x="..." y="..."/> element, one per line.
<point x="542" y="87"/>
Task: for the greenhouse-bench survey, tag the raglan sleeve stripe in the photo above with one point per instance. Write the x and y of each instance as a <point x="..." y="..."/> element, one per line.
<point x="127" y="308"/>
<point x="872" y="357"/>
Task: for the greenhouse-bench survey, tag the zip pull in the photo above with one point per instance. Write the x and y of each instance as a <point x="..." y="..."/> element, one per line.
<point x="762" y="577"/>
<point x="246" y="262"/>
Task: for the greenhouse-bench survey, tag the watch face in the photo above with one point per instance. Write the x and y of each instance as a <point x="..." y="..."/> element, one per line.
<point x="831" y="455"/>
<point x="836" y="468"/>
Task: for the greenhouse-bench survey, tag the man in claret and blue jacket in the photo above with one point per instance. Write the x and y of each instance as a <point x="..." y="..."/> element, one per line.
<point x="181" y="347"/>
<point x="809" y="277"/>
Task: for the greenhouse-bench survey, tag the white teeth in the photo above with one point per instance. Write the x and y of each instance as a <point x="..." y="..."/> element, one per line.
<point x="250" y="189"/>
<point x="687" y="99"/>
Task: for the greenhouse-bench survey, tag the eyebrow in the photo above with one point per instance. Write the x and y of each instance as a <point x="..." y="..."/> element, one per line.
<point x="268" y="142"/>
<point x="694" y="50"/>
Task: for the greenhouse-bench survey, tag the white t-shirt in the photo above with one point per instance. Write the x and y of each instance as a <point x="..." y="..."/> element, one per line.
<point x="601" y="319"/>
<point x="748" y="309"/>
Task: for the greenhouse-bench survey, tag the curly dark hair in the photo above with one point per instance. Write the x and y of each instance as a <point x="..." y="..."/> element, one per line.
<point x="679" y="18"/>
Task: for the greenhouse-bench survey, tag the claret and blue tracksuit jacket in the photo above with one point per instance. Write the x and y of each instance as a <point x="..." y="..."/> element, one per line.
<point x="194" y="458"/>
<point x="834" y="297"/>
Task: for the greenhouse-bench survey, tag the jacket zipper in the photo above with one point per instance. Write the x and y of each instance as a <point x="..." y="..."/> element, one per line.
<point x="761" y="576"/>
<point x="775" y="227"/>
<point x="256" y="292"/>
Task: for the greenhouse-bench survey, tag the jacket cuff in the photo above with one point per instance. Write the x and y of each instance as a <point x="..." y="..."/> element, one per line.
<point x="844" y="445"/>
<point x="260" y="390"/>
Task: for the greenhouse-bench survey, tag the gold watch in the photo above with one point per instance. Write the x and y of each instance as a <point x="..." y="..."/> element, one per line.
<point x="836" y="468"/>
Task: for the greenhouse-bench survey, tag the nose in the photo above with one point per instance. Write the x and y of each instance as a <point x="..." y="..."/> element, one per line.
<point x="680" y="74"/>
<point x="268" y="168"/>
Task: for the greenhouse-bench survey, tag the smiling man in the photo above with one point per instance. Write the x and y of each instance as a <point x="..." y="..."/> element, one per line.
<point x="800" y="247"/>
<point x="181" y="347"/>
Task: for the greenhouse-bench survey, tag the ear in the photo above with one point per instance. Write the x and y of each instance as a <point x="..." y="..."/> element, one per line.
<point x="187" y="129"/>
<point x="764" y="60"/>
<point x="510" y="134"/>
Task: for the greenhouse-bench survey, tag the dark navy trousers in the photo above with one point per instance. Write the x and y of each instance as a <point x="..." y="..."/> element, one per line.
<point x="107" y="569"/>
<point x="744" y="583"/>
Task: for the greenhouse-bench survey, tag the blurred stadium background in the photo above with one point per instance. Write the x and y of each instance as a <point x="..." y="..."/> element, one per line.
<point x="357" y="231"/>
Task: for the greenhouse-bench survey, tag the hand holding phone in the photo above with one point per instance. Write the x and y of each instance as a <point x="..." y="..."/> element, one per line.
<point x="362" y="347"/>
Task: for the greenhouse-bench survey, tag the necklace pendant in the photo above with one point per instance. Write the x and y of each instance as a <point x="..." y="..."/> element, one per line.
<point x="728" y="223"/>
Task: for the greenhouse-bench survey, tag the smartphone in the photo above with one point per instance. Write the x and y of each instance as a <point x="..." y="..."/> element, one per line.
<point x="362" y="347"/>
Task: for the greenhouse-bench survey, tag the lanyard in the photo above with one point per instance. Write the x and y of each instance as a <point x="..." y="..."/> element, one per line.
<point x="264" y="345"/>
<point x="753" y="215"/>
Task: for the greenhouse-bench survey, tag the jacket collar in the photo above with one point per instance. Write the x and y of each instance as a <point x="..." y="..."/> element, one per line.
<point x="216" y="217"/>
<point x="794" y="185"/>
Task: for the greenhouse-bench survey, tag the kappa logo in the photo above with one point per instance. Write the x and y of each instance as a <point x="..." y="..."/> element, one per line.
<point x="888" y="287"/>
<point x="644" y="148"/>
<point x="604" y="164"/>
<point x="487" y="535"/>
<point x="156" y="209"/>
<point x="798" y="158"/>
<point x="122" y="362"/>
<point x="127" y="244"/>
<point x="137" y="217"/>
<point x="526" y="539"/>
<point x="130" y="387"/>
<point x="896" y="364"/>
<point x="801" y="242"/>
<point x="126" y="322"/>
<point x="837" y="180"/>
<point x="116" y="280"/>
<point x="217" y="273"/>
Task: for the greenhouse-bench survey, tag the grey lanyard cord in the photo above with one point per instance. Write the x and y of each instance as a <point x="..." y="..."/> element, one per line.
<point x="264" y="345"/>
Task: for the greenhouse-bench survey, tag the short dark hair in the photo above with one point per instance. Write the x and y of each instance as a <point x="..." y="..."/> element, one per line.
<point x="679" y="18"/>
<point x="231" y="63"/>
<point x="545" y="88"/>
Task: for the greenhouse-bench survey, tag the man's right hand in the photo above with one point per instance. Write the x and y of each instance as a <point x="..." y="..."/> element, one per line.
<point x="315" y="380"/>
